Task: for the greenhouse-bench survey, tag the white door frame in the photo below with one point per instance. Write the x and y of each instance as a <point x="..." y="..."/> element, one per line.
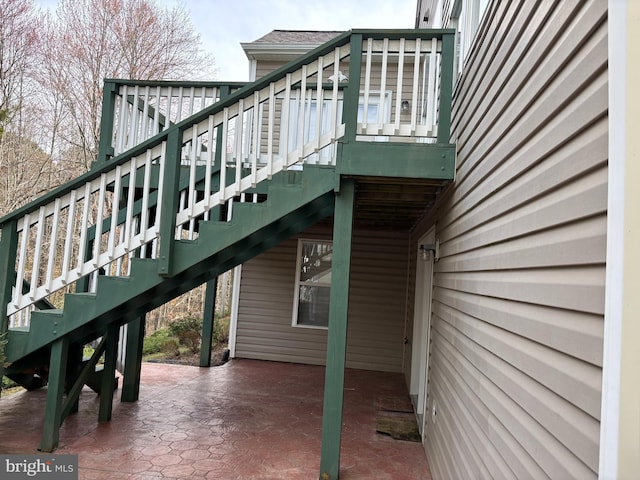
<point x="422" y="328"/>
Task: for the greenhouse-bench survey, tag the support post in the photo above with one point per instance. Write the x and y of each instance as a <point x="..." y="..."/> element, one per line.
<point x="74" y="367"/>
<point x="8" y="249"/>
<point x="108" y="374"/>
<point x="208" y="322"/>
<point x="337" y="334"/>
<point x="105" y="149"/>
<point x="133" y="360"/>
<point x="55" y="392"/>
<point x="169" y="202"/>
<point x="446" y="88"/>
<point x="352" y="93"/>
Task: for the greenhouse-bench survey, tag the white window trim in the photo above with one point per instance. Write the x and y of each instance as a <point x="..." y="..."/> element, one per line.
<point x="297" y="283"/>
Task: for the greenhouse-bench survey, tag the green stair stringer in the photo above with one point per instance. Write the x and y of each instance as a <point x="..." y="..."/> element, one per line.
<point x="295" y="201"/>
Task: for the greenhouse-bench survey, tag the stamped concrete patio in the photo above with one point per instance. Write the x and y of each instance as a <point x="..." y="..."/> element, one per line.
<point x="245" y="420"/>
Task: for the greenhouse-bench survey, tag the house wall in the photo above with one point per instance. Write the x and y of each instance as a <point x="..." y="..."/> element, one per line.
<point x="376" y="304"/>
<point x="518" y="300"/>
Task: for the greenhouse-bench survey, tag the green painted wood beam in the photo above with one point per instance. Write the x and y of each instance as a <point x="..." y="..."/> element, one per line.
<point x="8" y="251"/>
<point x="133" y="360"/>
<point x="337" y="334"/>
<point x="74" y="367"/>
<point x="108" y="374"/>
<point x="169" y="202"/>
<point x="403" y="160"/>
<point x="88" y="369"/>
<point x="352" y="93"/>
<point x="55" y="393"/>
<point x="105" y="150"/>
<point x="208" y="321"/>
<point x="446" y="87"/>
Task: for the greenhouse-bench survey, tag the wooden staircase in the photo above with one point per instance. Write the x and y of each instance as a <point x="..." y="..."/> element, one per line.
<point x="145" y="226"/>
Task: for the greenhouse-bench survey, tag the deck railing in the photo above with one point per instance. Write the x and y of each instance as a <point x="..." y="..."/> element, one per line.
<point x="363" y="85"/>
<point x="134" y="111"/>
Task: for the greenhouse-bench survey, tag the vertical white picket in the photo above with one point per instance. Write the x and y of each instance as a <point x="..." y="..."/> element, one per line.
<point x="398" y="86"/>
<point x="223" y="156"/>
<point x="146" y="190"/>
<point x="97" y="239"/>
<point x="367" y="83"/>
<point x="284" y="121"/>
<point x="208" y="166"/>
<point x="383" y="78"/>
<point x="84" y="225"/>
<point x="36" y="251"/>
<point x="416" y="82"/>
<point x="254" y="153"/>
<point x="270" y="128"/>
<point x="53" y="244"/>
<point x="68" y="240"/>
<point x="334" y="93"/>
<point x="238" y="145"/>
<point x="114" y="213"/>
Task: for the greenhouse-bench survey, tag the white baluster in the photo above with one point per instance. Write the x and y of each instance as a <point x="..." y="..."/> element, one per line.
<point x="211" y="158"/>
<point x="223" y="156"/>
<point x="367" y="84"/>
<point x="146" y="189"/>
<point x="133" y="125"/>
<point x="284" y="121"/>
<point x="145" y="116"/>
<point x="129" y="227"/>
<point x="270" y="129"/>
<point x="238" y="145"/>
<point x="68" y="240"/>
<point x="114" y="213"/>
<point x="398" y="86"/>
<point x="414" y="94"/>
<point x="53" y="244"/>
<point x="254" y="154"/>
<point x="97" y="239"/>
<point x="383" y="76"/>
<point x="84" y="225"/>
<point x="156" y="113"/>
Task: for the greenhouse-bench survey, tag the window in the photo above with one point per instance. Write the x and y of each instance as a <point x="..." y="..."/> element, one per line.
<point x="313" y="284"/>
<point x="465" y="18"/>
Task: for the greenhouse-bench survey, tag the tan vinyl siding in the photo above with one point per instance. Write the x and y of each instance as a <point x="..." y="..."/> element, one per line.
<point x="518" y="301"/>
<point x="376" y="305"/>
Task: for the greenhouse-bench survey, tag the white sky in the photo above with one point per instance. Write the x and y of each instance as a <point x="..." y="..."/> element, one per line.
<point x="223" y="24"/>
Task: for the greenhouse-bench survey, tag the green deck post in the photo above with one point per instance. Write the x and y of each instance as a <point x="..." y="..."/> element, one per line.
<point x="208" y="322"/>
<point x="446" y="88"/>
<point x="55" y="392"/>
<point x="74" y="367"/>
<point x="8" y="249"/>
<point x="337" y="334"/>
<point x="169" y="202"/>
<point x="133" y="360"/>
<point x="105" y="149"/>
<point x="108" y="374"/>
<point x="352" y="93"/>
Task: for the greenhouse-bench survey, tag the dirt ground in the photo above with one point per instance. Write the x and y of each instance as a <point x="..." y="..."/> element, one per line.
<point x="219" y="356"/>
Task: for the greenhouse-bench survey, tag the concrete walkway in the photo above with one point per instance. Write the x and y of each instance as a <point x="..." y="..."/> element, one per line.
<point x="245" y="420"/>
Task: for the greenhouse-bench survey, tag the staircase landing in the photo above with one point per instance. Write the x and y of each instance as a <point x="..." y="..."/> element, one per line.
<point x="247" y="419"/>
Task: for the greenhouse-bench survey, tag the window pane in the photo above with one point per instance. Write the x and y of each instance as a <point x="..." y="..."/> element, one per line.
<point x="313" y="283"/>
<point x="313" y="306"/>
<point x="315" y="264"/>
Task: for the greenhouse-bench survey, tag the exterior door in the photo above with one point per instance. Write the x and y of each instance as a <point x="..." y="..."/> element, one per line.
<point x="422" y="328"/>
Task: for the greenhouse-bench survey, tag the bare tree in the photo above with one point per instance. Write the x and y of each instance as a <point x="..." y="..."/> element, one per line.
<point x="18" y="43"/>
<point x="91" y="40"/>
